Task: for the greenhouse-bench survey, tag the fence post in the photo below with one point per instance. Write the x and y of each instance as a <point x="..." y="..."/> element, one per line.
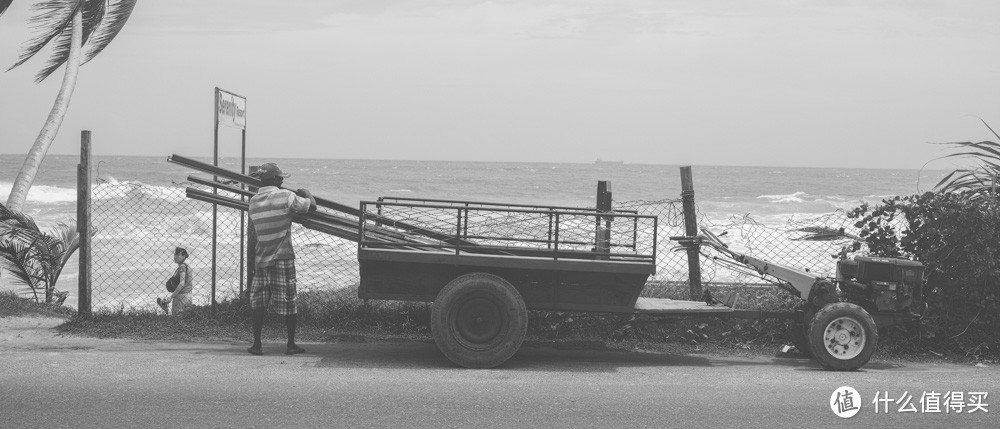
<point x="243" y="216"/>
<point x="602" y="240"/>
<point x="251" y="235"/>
<point x="84" y="302"/>
<point x="691" y="230"/>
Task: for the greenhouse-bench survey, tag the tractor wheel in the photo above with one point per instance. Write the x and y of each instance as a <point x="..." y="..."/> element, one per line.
<point x="479" y="320"/>
<point x="842" y="336"/>
<point x="798" y="330"/>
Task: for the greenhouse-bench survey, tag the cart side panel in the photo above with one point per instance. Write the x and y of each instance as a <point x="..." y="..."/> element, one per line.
<point x="544" y="284"/>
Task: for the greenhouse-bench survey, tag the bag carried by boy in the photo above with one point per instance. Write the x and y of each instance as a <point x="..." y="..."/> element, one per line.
<point x="172" y="282"/>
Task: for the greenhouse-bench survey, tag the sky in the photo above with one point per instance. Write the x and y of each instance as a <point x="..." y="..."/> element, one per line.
<point x="867" y="84"/>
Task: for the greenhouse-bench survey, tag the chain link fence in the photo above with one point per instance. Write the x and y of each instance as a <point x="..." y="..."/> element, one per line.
<point x="136" y="229"/>
<point x="138" y="226"/>
<point x="809" y="244"/>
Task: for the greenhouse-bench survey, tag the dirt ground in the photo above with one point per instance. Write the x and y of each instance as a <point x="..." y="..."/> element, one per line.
<point x="38" y="333"/>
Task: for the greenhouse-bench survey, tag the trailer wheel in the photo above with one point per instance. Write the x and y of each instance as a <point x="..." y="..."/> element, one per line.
<point x="479" y="320"/>
<point x="842" y="336"/>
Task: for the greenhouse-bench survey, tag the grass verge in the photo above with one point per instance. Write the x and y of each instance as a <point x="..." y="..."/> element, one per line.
<point x="13" y="305"/>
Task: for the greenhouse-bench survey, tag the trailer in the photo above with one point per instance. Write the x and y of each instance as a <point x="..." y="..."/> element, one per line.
<point x="502" y="260"/>
<point x="483" y="265"/>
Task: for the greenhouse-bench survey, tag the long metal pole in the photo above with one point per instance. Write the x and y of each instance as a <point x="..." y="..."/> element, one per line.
<point x="84" y="303"/>
<point x="215" y="207"/>
<point x="200" y="166"/>
<point x="243" y="225"/>
<point x="691" y="230"/>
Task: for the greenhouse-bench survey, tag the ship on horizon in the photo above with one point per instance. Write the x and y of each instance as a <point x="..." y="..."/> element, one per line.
<point x="600" y="161"/>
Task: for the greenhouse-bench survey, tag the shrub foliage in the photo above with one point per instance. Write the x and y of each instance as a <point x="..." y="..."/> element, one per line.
<point x="956" y="236"/>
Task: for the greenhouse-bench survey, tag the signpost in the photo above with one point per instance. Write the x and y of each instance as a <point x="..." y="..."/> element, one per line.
<point x="230" y="111"/>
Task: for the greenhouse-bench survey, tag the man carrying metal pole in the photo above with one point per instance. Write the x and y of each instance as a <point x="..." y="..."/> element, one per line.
<point x="273" y="286"/>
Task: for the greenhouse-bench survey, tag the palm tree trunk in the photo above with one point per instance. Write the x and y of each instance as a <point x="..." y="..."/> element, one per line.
<point x="25" y="178"/>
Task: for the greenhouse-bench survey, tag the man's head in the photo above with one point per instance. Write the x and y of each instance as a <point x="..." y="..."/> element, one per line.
<point x="269" y="174"/>
<point x="180" y="254"/>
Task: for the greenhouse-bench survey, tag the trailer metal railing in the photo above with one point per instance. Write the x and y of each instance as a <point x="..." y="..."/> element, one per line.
<point x="514" y="230"/>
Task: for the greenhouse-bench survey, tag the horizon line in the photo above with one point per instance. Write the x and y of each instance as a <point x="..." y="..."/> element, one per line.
<point x="497" y="162"/>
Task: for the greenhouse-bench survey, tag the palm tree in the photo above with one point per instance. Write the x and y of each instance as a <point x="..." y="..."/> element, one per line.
<point x="35" y="258"/>
<point x="77" y="31"/>
<point x="979" y="182"/>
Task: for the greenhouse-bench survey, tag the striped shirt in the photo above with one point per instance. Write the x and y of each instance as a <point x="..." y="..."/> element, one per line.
<point x="271" y="212"/>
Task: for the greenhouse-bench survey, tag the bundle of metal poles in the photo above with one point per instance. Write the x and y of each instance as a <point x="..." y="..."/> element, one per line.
<point x="338" y="219"/>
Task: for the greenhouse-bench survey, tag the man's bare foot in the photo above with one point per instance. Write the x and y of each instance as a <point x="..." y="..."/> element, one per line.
<point x="255" y="350"/>
<point x="294" y="350"/>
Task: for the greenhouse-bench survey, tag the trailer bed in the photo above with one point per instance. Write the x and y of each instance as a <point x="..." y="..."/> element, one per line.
<point x="557" y="259"/>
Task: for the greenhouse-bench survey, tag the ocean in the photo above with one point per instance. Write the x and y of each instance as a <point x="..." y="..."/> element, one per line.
<point x="773" y="196"/>
<point x="768" y="193"/>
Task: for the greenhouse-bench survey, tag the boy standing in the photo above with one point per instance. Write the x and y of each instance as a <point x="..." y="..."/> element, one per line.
<point x="181" y="296"/>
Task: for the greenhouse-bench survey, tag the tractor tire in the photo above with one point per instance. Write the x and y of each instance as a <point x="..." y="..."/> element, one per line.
<point x="842" y="336"/>
<point x="479" y="320"/>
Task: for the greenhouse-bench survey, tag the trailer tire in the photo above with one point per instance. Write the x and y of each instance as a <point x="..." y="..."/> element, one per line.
<point x="842" y="336"/>
<point x="479" y="320"/>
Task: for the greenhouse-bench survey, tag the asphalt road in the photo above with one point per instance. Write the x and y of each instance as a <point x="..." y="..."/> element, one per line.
<point x="47" y="380"/>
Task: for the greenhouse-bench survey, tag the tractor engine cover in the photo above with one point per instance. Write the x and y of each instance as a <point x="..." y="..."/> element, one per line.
<point x="891" y="284"/>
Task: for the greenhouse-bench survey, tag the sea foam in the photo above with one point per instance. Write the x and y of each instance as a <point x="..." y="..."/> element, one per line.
<point x="125" y="189"/>
<point x="790" y="198"/>
<point x="43" y="193"/>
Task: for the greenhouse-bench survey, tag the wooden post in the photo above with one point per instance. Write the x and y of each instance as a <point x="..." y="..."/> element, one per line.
<point x="691" y="230"/>
<point x="84" y="302"/>
<point x="602" y="238"/>
<point x="993" y="186"/>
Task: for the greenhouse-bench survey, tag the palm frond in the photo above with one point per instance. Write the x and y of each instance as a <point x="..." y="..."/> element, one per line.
<point x="9" y="217"/>
<point x="984" y="148"/>
<point x="50" y="257"/>
<point x="15" y="258"/>
<point x="53" y="255"/>
<point x="117" y="14"/>
<point x="64" y="232"/>
<point x="977" y="182"/>
<point x="60" y="53"/>
<point x="93" y="15"/>
<point x="21" y="235"/>
<point x="4" y="4"/>
<point x="989" y="127"/>
<point x="67" y="234"/>
<point x="823" y="233"/>
<point x="948" y="178"/>
<point x="35" y="258"/>
<point x="51" y="19"/>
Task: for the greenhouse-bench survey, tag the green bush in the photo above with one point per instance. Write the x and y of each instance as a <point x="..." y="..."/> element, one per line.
<point x="956" y="236"/>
